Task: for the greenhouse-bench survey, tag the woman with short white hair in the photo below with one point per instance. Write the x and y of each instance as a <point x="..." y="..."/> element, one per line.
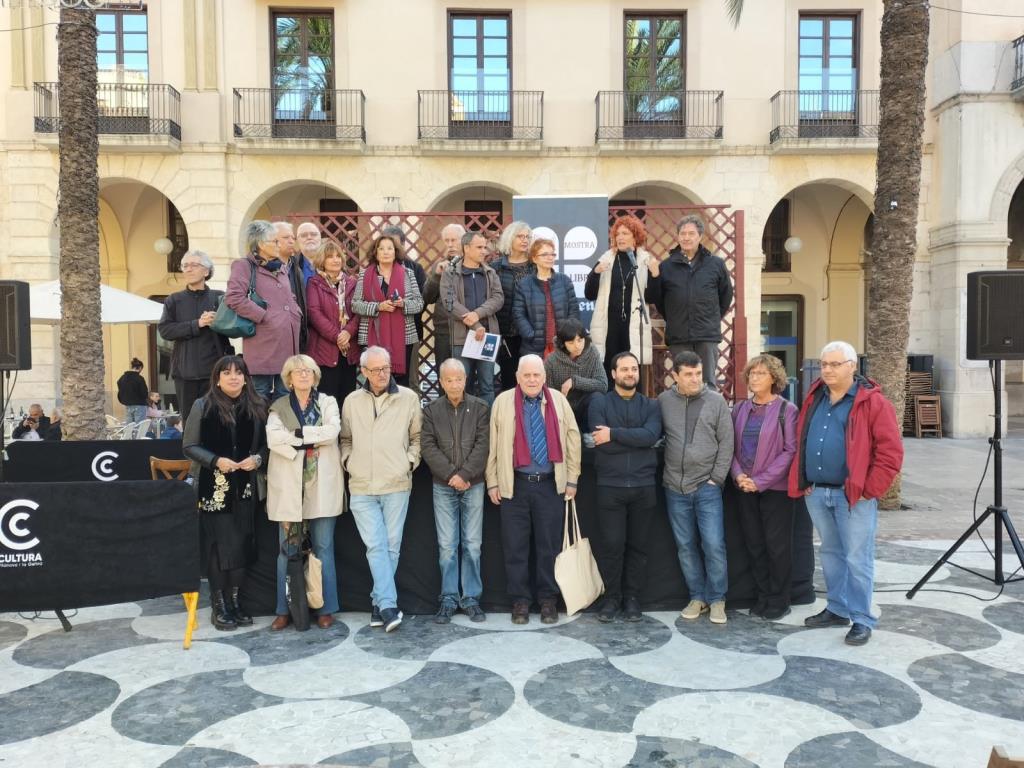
<point x="305" y="486"/>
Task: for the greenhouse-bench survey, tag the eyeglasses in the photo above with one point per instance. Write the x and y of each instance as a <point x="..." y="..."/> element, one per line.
<point x="302" y="371"/>
<point x="826" y="366"/>
<point x="752" y="374"/>
<point x="378" y="371"/>
<point x="546" y="254"/>
<point x="191" y="265"/>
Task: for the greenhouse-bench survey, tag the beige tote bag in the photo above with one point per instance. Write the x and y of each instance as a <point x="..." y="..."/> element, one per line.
<point x="314" y="582"/>
<point x="575" y="568"/>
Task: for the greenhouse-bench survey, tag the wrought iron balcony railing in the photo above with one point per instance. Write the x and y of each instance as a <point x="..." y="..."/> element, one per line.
<point x="1018" y="64"/>
<point x="824" y="115"/>
<point x="124" y="108"/>
<point x="658" y="115"/>
<point x="503" y="115"/>
<point x="299" y="113"/>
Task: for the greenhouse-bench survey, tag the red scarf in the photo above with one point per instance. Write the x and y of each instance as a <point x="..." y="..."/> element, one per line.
<point x="521" y="456"/>
<point x="387" y="329"/>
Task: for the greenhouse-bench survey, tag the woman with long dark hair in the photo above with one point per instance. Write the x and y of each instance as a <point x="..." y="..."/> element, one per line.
<point x="388" y="301"/>
<point x="225" y="437"/>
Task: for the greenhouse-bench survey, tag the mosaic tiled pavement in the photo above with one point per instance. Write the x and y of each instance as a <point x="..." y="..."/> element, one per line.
<point x="941" y="682"/>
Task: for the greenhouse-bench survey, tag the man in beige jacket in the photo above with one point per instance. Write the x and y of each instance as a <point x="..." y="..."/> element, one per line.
<point x="533" y="463"/>
<point x="380" y="447"/>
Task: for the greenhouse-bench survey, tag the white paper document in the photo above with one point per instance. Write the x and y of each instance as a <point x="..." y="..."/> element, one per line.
<point x="482" y="350"/>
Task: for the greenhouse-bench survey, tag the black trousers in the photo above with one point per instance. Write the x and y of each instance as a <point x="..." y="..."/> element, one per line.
<point x="580" y="404"/>
<point x="187" y="392"/>
<point x="403" y="378"/>
<point x="624" y="516"/>
<point x="338" y="381"/>
<point x="540" y="508"/>
<point x="766" y="522"/>
<point x="508" y="360"/>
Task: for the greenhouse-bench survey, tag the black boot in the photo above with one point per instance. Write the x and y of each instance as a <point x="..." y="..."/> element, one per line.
<point x="220" y="616"/>
<point x="242" y="619"/>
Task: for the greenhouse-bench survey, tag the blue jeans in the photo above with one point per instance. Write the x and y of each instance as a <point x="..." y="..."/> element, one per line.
<point x="270" y="386"/>
<point x="458" y="513"/>
<point x="135" y="413"/>
<point x="321" y="531"/>
<point x="479" y="375"/>
<point x="381" y="521"/>
<point x="699" y="528"/>
<point x="847" y="551"/>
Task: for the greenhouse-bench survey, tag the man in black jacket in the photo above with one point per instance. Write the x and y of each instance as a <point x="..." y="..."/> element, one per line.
<point x="454" y="441"/>
<point x="626" y="427"/>
<point x="692" y="291"/>
<point x="186" y="322"/>
<point x="34" y="426"/>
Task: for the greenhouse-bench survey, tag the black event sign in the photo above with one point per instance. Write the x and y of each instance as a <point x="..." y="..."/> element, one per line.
<point x="72" y="545"/>
<point x="40" y="461"/>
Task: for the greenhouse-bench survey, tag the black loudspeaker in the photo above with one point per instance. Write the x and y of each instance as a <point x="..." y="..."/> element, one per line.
<point x="15" y="333"/>
<point x="995" y="315"/>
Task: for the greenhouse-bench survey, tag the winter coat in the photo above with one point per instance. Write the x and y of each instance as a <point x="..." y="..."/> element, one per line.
<point x="698" y="439"/>
<point x="874" y="443"/>
<point x="529" y="309"/>
<point x="452" y="295"/>
<point x="380" y="439"/>
<point x="776" y="443"/>
<point x="277" y="326"/>
<point x="367" y="310"/>
<point x="196" y="350"/>
<point x="692" y="299"/>
<point x="454" y="441"/>
<point x="287" y="500"/>
<point x="509" y="276"/>
<point x="324" y="323"/>
<point x="639" y="331"/>
<point x="132" y="389"/>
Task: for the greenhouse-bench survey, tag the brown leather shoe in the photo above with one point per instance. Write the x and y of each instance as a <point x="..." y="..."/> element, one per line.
<point x="280" y="622"/>
<point x="325" y="621"/>
<point x="520" y="612"/>
<point x="548" y="611"/>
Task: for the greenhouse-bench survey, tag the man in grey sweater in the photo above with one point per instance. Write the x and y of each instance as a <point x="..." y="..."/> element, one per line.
<point x="698" y="452"/>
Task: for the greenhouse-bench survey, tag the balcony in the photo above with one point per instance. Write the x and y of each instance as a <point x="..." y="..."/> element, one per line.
<point x="1017" y="86"/>
<point x="131" y="115"/>
<point x="672" y="121"/>
<point x="299" y="119"/>
<point x="481" y="121"/>
<point x="825" y="120"/>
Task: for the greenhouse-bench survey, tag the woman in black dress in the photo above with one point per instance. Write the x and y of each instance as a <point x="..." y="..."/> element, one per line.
<point x="226" y="439"/>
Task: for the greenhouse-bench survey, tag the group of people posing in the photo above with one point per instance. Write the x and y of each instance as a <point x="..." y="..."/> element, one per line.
<point x="319" y="406"/>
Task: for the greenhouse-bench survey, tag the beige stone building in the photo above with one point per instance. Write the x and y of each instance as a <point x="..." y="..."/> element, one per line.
<point x="215" y="112"/>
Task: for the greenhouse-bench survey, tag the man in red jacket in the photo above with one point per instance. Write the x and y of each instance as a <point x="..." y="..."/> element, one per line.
<point x="850" y="450"/>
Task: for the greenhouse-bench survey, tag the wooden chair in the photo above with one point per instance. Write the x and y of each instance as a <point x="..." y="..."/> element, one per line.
<point x="928" y="415"/>
<point x="177" y="469"/>
<point x="999" y="759"/>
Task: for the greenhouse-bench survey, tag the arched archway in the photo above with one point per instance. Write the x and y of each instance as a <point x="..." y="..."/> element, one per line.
<point x="815" y="289"/>
<point x="299" y="196"/>
<point x="475" y="197"/>
<point x="655" y="192"/>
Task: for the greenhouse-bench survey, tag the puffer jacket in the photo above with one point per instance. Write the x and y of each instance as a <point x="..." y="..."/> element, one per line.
<point x="692" y="299"/>
<point x="529" y="309"/>
<point x="510" y="276"/>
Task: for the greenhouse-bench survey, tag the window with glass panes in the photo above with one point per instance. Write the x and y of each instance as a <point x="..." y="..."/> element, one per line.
<point x="302" y="73"/>
<point x="828" y="63"/>
<point x="655" y="65"/>
<point x="480" y="71"/>
<point x="122" y="47"/>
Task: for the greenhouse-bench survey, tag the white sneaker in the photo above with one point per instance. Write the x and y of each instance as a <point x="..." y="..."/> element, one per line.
<point x="718" y="612"/>
<point x="694" y="609"/>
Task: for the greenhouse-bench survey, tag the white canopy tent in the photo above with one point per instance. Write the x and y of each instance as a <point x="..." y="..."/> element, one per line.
<point x="117" y="307"/>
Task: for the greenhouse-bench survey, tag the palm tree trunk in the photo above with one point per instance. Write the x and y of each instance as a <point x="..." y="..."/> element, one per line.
<point x="81" y="334"/>
<point x="904" y="43"/>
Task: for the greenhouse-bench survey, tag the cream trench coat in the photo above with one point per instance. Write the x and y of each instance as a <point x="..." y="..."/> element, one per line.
<point x="599" y="320"/>
<point x="326" y="496"/>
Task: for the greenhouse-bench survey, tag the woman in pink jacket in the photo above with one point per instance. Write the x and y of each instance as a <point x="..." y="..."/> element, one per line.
<point x="333" y="326"/>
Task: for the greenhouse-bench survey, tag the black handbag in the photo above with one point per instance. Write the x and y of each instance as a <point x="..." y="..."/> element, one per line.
<point x="229" y="323"/>
<point x="295" y="580"/>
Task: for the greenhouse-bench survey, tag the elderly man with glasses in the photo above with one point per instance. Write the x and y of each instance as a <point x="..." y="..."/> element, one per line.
<point x="849" y="451"/>
<point x="380" y="447"/>
<point x="186" y="322"/>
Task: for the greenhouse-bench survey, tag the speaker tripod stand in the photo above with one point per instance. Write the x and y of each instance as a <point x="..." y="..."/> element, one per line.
<point x="1000" y="516"/>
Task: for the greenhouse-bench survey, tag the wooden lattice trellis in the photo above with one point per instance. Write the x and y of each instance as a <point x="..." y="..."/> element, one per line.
<point x="723" y="235"/>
